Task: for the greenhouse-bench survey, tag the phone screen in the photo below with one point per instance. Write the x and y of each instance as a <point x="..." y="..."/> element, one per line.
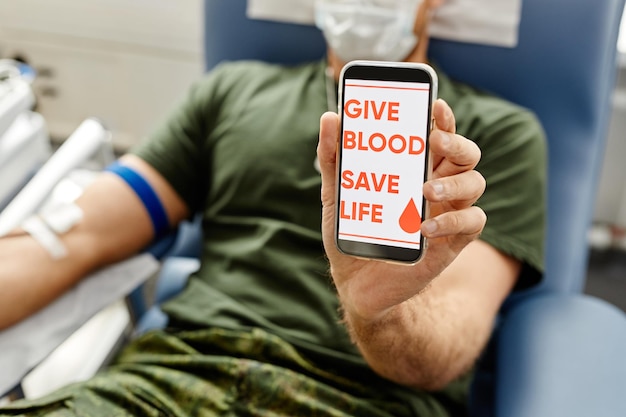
<point x="383" y="159"/>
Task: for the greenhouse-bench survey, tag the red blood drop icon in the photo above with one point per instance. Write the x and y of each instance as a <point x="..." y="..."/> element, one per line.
<point x="410" y="219"/>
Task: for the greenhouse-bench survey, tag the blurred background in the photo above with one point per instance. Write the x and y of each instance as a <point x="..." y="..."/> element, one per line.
<point x="607" y="237"/>
<point x="128" y="62"/>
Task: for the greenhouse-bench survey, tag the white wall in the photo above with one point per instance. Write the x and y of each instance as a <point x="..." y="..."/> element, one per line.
<point x="611" y="198"/>
<point x="621" y="42"/>
<point x="610" y="206"/>
<point x="124" y="61"/>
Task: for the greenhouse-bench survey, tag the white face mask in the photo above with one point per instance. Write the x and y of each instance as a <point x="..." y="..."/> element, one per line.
<point x="379" y="30"/>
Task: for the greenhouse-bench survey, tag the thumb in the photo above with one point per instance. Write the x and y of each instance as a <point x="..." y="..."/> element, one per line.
<point x="327" y="155"/>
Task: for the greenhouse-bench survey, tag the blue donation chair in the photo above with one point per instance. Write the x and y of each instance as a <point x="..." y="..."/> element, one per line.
<point x="556" y="352"/>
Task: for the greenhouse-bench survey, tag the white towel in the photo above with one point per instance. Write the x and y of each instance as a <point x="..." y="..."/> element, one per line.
<point x="487" y="22"/>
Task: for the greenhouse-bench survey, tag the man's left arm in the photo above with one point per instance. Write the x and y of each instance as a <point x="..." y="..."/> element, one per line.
<point x="424" y="325"/>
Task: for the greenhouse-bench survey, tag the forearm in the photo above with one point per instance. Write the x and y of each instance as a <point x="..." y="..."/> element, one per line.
<point x="425" y="342"/>
<point x="115" y="225"/>
<point x="436" y="336"/>
<point x="30" y="278"/>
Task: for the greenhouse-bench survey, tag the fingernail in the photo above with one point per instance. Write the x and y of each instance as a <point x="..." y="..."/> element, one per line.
<point x="429" y="227"/>
<point x="437" y="187"/>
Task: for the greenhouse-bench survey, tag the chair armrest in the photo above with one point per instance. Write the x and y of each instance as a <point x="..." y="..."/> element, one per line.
<point x="184" y="241"/>
<point x="171" y="280"/>
<point x="24" y="345"/>
<point x="173" y="277"/>
<point x="562" y="355"/>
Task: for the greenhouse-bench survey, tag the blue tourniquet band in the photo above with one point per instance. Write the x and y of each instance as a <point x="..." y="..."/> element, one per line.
<point x="147" y="195"/>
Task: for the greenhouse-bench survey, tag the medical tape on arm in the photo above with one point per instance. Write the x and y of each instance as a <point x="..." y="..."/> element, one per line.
<point x="62" y="218"/>
<point x="40" y="231"/>
<point x="47" y="224"/>
<point x="146" y="194"/>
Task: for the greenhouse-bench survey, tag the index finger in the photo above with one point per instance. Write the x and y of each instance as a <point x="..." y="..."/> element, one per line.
<point x="452" y="154"/>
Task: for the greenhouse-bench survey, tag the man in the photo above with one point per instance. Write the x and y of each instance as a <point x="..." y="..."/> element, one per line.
<point x="262" y="329"/>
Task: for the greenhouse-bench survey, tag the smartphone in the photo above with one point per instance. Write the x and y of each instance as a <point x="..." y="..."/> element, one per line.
<point x="383" y="159"/>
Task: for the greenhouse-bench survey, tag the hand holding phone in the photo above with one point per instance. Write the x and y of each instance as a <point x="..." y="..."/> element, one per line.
<point x="383" y="159"/>
<point x="367" y="289"/>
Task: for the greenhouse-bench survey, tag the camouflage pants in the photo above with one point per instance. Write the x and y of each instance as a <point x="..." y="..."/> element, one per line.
<point x="197" y="373"/>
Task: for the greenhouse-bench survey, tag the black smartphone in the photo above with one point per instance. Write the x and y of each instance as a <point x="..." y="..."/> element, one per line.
<point x="383" y="159"/>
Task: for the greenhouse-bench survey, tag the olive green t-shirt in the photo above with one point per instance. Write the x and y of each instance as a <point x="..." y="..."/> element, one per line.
<point x="241" y="150"/>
